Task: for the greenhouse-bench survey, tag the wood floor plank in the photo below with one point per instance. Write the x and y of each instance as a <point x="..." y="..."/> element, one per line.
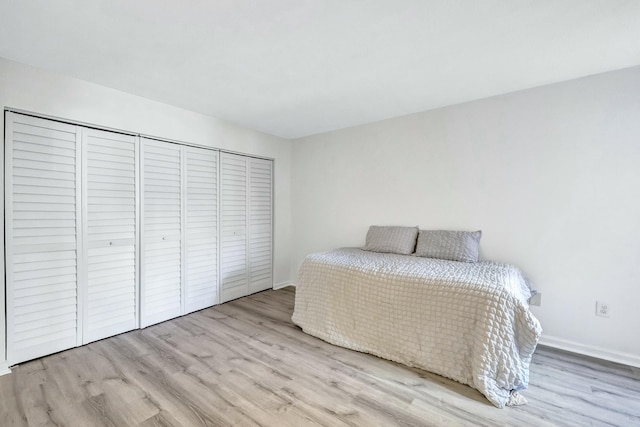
<point x="11" y="411"/>
<point x="244" y="363"/>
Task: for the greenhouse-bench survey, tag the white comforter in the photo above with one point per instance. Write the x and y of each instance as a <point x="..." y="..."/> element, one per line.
<point x="466" y="321"/>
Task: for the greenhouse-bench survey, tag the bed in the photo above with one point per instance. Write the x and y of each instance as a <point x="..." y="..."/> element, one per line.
<point x="468" y="321"/>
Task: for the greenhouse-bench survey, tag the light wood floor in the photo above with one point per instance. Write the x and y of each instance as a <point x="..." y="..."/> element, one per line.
<point x="245" y="363"/>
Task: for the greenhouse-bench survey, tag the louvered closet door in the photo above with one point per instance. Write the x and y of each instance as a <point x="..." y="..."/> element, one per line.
<point x="233" y="211"/>
<point x="161" y="281"/>
<point x="260" y="224"/>
<point x="201" y="222"/>
<point x="109" y="171"/>
<point x="42" y="229"/>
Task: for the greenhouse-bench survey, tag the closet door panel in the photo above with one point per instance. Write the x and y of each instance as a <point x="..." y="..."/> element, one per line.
<point x="110" y="175"/>
<point x="233" y="211"/>
<point x="161" y="270"/>
<point x="201" y="218"/>
<point x="42" y="217"/>
<point x="260" y="225"/>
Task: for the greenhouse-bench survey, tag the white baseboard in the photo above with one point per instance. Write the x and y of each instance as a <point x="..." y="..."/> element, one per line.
<point x="282" y="285"/>
<point x="587" y="350"/>
<point x="4" y="368"/>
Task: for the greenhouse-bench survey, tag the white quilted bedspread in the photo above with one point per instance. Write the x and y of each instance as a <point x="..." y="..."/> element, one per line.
<point x="466" y="321"/>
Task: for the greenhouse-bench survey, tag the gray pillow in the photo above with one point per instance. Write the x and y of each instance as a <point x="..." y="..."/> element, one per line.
<point x="395" y="240"/>
<point x="451" y="245"/>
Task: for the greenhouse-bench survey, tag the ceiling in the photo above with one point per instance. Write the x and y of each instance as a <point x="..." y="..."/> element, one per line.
<point x="293" y="68"/>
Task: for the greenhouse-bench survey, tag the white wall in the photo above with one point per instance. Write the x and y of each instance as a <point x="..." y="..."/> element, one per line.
<point x="27" y="88"/>
<point x="551" y="175"/>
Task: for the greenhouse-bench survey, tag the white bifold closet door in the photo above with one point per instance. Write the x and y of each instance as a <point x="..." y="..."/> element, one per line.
<point x="233" y="220"/>
<point x="71" y="231"/>
<point x="246" y="225"/>
<point x="260" y="224"/>
<point x="161" y="249"/>
<point x="110" y="233"/>
<point x="106" y="232"/>
<point x="201" y="223"/>
<point x="180" y="232"/>
<point x="42" y="227"/>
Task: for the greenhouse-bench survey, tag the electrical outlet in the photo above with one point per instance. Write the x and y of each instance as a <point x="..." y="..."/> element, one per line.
<point x="536" y="300"/>
<point x="602" y="309"/>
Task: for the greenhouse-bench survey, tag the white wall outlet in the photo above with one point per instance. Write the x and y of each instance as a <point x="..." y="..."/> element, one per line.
<point x="536" y="299"/>
<point x="602" y="309"/>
